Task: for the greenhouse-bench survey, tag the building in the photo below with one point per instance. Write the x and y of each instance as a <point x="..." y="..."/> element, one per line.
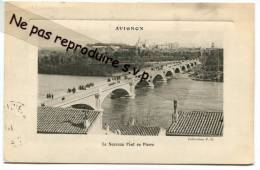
<point x="56" y="120"/>
<point x="135" y="130"/>
<point x="197" y="124"/>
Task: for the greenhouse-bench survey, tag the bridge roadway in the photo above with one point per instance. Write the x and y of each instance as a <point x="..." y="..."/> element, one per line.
<point x="81" y="94"/>
<point x="93" y="97"/>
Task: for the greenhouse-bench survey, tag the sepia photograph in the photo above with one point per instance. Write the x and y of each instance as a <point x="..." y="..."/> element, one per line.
<point x="166" y="82"/>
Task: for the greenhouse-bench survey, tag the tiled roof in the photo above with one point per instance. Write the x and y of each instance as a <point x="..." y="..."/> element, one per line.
<point x="134" y="130"/>
<point x="64" y="120"/>
<point x="197" y="124"/>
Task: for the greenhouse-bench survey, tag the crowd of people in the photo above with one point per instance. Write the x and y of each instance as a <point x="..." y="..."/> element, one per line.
<point x="84" y="87"/>
<point x="49" y="96"/>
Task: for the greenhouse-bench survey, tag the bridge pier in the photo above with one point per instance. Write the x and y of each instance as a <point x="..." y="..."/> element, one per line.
<point x="132" y="89"/>
<point x="98" y="101"/>
<point x="164" y="79"/>
<point x="131" y="96"/>
<point x="151" y="85"/>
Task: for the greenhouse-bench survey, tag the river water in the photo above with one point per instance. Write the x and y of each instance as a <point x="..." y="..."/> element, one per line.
<point x="150" y="107"/>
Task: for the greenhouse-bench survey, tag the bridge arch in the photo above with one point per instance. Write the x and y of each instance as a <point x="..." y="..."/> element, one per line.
<point x="82" y="106"/>
<point x="143" y="83"/>
<point x="119" y="92"/>
<point x="177" y="70"/>
<point x="183" y="68"/>
<point x="158" y="77"/>
<point x="87" y="102"/>
<point x="95" y="100"/>
<point x="126" y="90"/>
<point x="169" y="73"/>
<point x="188" y="66"/>
<point x="155" y="77"/>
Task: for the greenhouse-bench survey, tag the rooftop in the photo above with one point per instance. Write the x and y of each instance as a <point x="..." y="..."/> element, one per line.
<point x="64" y="120"/>
<point x="197" y="124"/>
<point x="135" y="130"/>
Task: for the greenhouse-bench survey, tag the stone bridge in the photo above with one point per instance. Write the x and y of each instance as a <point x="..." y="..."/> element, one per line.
<point x="167" y="70"/>
<point x="94" y="96"/>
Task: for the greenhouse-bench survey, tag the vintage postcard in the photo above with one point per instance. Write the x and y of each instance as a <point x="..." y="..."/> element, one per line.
<point x="129" y="83"/>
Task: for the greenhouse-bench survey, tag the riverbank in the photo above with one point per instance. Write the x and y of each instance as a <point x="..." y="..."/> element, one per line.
<point x="204" y="75"/>
<point x="201" y="74"/>
<point x="211" y="67"/>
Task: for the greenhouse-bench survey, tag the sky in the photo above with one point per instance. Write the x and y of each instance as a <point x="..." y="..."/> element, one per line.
<point x="185" y="33"/>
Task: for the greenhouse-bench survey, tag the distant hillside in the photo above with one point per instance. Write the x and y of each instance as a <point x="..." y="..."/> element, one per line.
<point x="56" y="61"/>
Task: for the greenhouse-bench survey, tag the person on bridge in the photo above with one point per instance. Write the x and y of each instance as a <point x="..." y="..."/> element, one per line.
<point x="74" y="90"/>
